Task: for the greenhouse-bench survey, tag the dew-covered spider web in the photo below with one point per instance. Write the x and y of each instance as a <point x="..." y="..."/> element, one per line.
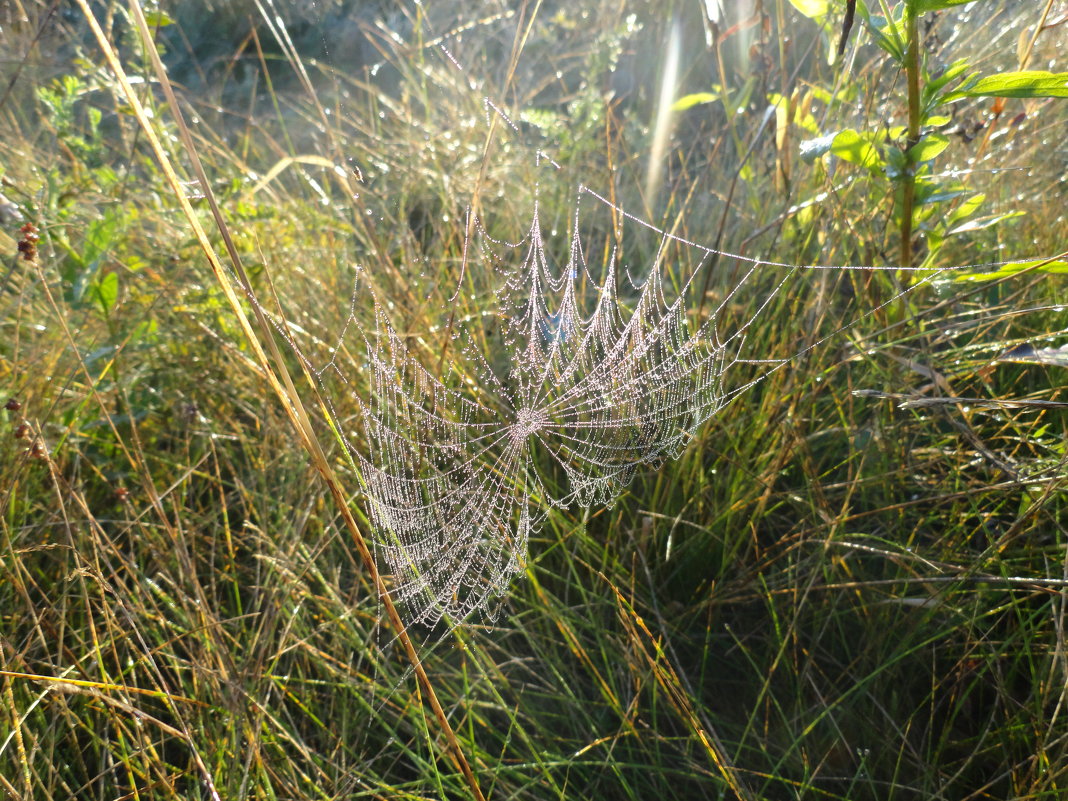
<point x="586" y="377"/>
<point x="580" y="370"/>
<point x="596" y="388"/>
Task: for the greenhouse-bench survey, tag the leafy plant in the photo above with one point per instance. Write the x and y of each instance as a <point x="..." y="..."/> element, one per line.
<point x="62" y="99"/>
<point x="86" y="269"/>
<point x="929" y="206"/>
<point x="901" y="157"/>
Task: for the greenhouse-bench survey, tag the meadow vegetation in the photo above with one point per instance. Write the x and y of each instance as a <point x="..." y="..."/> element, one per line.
<point x="849" y="586"/>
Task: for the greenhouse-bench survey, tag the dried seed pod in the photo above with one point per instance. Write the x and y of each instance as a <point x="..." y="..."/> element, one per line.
<point x="28" y="243"/>
<point x="22" y="431"/>
<point x="13" y="404"/>
<point x="122" y="494"/>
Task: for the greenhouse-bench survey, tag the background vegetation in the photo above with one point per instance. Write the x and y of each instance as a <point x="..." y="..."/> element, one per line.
<point x="827" y="597"/>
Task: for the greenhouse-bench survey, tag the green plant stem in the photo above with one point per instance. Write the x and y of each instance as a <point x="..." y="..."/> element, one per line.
<point x="912" y="71"/>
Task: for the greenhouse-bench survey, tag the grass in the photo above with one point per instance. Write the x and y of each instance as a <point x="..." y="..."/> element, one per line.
<point x="825" y="597"/>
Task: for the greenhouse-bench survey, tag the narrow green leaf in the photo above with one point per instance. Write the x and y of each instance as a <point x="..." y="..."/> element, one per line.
<point x="943" y="196"/>
<point x="696" y="99"/>
<point x="966" y="209"/>
<point x="935" y="5"/>
<point x="979" y="223"/>
<point x="950" y="73"/>
<point x="1053" y="267"/>
<point x="1025" y="83"/>
<point x="889" y="34"/>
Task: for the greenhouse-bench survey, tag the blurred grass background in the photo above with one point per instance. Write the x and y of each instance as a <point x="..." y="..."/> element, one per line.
<point x="825" y="597"/>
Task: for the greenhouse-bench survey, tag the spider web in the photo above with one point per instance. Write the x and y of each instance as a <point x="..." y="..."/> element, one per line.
<point x="452" y="482"/>
<point x="588" y="380"/>
<point x="590" y="376"/>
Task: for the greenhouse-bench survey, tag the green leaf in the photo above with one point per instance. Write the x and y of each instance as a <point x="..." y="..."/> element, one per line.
<point x="98" y="236"/>
<point x="106" y="291"/>
<point x="1038" y="265"/>
<point x="922" y="190"/>
<point x="896" y="163"/>
<point x="72" y="85"/>
<point x="920" y="6"/>
<point x="931" y="190"/>
<point x="134" y="263"/>
<point x="145" y="331"/>
<point x="856" y="149"/>
<point x="966" y="209"/>
<point x="813" y="9"/>
<point x="542" y="118"/>
<point x="944" y="195"/>
<point x="158" y="19"/>
<point x="696" y="99"/>
<point x="889" y="34"/>
<point x="935" y="241"/>
<point x="928" y="147"/>
<point x="1025" y="83"/>
<point x="950" y="73"/>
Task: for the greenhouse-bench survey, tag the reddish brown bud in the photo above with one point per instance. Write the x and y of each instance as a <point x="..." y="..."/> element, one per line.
<point x="13" y="404"/>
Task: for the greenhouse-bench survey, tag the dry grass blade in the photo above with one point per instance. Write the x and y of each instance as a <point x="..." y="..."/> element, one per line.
<point x="63" y="683"/>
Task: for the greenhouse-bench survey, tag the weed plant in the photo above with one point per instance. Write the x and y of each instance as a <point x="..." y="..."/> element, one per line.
<point x="830" y="595"/>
